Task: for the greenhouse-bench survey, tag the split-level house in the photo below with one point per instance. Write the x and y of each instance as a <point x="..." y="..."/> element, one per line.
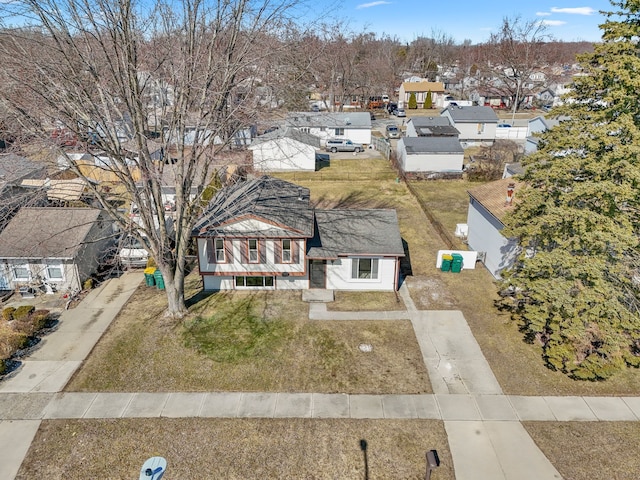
<point x="264" y="233"/>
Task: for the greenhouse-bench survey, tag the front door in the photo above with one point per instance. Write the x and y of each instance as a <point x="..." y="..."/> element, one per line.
<point x="317" y="273"/>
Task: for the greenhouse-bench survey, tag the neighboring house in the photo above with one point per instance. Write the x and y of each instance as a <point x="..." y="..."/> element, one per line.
<point x="511" y="169"/>
<point x="430" y="155"/>
<point x="354" y="126"/>
<point x="53" y="248"/>
<point x="61" y="190"/>
<point x="430" y="127"/>
<point x="477" y="125"/>
<point x="488" y="204"/>
<point x="285" y="149"/>
<point x="538" y="125"/>
<point x="264" y="233"/>
<point x="14" y="169"/>
<point x="421" y="90"/>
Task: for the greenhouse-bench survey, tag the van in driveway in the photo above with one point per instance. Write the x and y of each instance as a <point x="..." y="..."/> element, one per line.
<point x="342" y="145"/>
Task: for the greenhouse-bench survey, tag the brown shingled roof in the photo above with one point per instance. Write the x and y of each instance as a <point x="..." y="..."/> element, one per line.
<point x="423" y="86"/>
<point x="493" y="196"/>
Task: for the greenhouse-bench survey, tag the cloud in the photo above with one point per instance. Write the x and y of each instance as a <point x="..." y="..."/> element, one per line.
<point x="574" y="11"/>
<point x="542" y="14"/>
<point x="553" y="23"/>
<point x="372" y="4"/>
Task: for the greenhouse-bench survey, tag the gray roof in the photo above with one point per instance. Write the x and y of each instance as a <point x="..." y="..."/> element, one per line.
<point x="329" y="119"/>
<point x="474" y="113"/>
<point x="434" y="127"/>
<point x="13" y="168"/>
<point x="418" y="145"/>
<point x="47" y="232"/>
<point x="355" y="232"/>
<point x="274" y="201"/>
<point x="291" y="133"/>
<point x="514" y="168"/>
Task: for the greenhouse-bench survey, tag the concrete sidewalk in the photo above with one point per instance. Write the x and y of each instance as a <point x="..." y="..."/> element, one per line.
<point x="30" y="389"/>
<point x="449" y="408"/>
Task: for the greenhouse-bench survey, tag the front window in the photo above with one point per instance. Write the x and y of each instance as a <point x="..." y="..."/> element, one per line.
<point x="286" y="251"/>
<point x="364" y="268"/>
<point x="219" y="250"/>
<point x="21" y="272"/>
<point x="54" y="271"/>
<point x="254" y="281"/>
<point x="253" y="250"/>
<point x="339" y="132"/>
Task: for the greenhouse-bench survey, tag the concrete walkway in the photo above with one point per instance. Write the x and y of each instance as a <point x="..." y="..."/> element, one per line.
<point x="483" y="425"/>
<point x="31" y="388"/>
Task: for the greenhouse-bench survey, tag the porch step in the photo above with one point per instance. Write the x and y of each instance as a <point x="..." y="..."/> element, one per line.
<point x="317" y="295"/>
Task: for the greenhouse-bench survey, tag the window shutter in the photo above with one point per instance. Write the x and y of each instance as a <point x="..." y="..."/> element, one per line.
<point x="374" y="268"/>
<point x="211" y="250"/>
<point x="295" y="252"/>
<point x="354" y="268"/>
<point x="277" y="251"/>
<point x="262" y="248"/>
<point x="228" y="250"/>
<point x="244" y="251"/>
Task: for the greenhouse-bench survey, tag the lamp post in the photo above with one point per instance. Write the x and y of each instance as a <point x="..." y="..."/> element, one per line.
<point x="433" y="461"/>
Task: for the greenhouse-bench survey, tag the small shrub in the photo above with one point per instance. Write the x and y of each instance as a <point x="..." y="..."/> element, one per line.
<point x="23" y="311"/>
<point x="10" y="341"/>
<point x="88" y="284"/>
<point x="428" y="102"/>
<point x="7" y="313"/>
<point x="39" y="318"/>
<point x="24" y="326"/>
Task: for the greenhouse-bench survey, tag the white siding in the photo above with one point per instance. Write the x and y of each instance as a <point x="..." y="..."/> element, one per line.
<point x="283" y="154"/>
<point x="357" y="135"/>
<point x="339" y="275"/>
<point x="485" y="236"/>
<point x="429" y="162"/>
<point x="237" y="267"/>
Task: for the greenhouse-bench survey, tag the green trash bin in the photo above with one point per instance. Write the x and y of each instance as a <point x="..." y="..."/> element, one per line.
<point x="159" y="279"/>
<point x="149" y="279"/>
<point x="446" y="262"/>
<point x="456" y="263"/>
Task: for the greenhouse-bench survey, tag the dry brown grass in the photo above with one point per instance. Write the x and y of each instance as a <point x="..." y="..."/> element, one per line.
<point x="584" y="450"/>
<point x="237" y="449"/>
<point x="366" y="301"/>
<point x="518" y="366"/>
<point x="141" y="350"/>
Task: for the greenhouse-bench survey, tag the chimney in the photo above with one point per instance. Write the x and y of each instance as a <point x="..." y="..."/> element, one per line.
<point x="510" y="189"/>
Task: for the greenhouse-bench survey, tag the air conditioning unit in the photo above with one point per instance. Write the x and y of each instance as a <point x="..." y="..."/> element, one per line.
<point x="462" y="230"/>
<point x="481" y="257"/>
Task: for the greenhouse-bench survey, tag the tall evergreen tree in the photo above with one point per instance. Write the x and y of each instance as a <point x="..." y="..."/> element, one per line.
<point x="575" y="287"/>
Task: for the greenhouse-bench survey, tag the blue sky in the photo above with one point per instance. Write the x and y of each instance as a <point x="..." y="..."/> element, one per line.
<point x="567" y="20"/>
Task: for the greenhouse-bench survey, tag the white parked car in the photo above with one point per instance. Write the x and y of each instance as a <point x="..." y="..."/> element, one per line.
<point x="132" y="253"/>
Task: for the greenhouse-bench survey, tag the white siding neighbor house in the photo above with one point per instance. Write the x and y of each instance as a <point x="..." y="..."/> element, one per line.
<point x="477" y="125"/>
<point x="285" y="150"/>
<point x="430" y="154"/>
<point x="487" y="206"/>
<point x="354" y="126"/>
<point x="263" y="233"/>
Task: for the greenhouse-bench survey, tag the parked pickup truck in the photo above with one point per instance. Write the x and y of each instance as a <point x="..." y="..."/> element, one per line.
<point x="342" y="145"/>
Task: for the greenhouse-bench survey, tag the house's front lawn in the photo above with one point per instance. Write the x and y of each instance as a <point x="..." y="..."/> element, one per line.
<point x="242" y="449"/>
<point x="581" y="450"/>
<point x="250" y="342"/>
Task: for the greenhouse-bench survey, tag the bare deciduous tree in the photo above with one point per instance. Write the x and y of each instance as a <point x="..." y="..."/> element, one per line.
<point x="118" y="73"/>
